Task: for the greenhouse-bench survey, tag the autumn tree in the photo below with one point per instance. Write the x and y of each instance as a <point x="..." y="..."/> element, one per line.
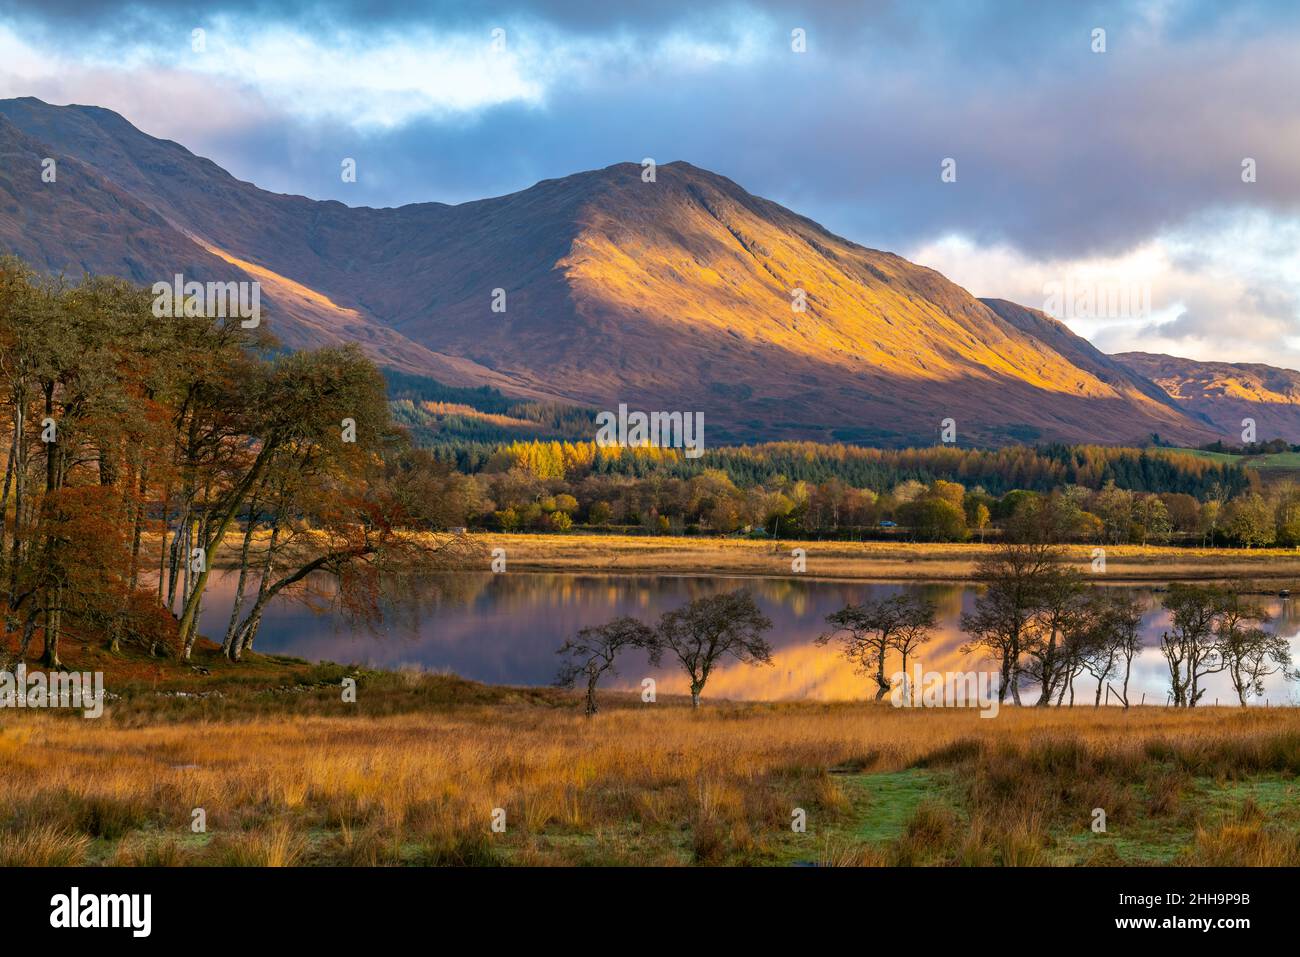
<point x="1114" y="506"/>
<point x="1115" y="621"/>
<point x="1249" y="650"/>
<point x="1251" y="521"/>
<point x="121" y="423"/>
<point x="79" y="362"/>
<point x="595" y="649"/>
<point x="1057" y="639"/>
<point x="868" y="632"/>
<point x="1191" y="647"/>
<point x="709" y="629"/>
<point x="1001" y="624"/>
<point x="329" y="505"/>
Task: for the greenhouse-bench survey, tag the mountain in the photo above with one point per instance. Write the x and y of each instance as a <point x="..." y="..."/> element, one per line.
<point x="89" y="221"/>
<point x="671" y="295"/>
<point x="1082" y="353"/>
<point x="1227" y="392"/>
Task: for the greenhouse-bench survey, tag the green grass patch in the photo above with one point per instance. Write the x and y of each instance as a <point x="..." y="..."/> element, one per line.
<point x="1273" y="460"/>
<point x="1155" y="840"/>
<point x="883" y="803"/>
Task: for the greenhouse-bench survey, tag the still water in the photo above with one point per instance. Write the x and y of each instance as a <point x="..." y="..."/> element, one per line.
<point x="505" y="629"/>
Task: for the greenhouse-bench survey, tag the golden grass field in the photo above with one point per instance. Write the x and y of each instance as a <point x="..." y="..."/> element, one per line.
<point x="289" y="774"/>
<point x="865" y="560"/>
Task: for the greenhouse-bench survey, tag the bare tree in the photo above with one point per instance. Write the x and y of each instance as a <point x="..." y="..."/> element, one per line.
<point x="709" y="629"/>
<point x="1115" y="622"/>
<point x="868" y="632"/>
<point x="1057" y="637"/>
<point x="1191" y="648"/>
<point x="1251" y="652"/>
<point x="1001" y="623"/>
<point x="593" y="652"/>
<point x="916" y="627"/>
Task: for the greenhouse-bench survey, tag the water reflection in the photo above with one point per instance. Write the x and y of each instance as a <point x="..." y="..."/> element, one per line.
<point x="504" y="629"/>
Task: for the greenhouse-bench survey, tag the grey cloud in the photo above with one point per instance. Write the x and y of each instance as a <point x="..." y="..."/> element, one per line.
<point x="1060" y="151"/>
<point x="1026" y="31"/>
<point x="1057" y="169"/>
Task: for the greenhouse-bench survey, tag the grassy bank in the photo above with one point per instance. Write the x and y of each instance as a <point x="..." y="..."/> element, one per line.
<point x="1273" y="467"/>
<point x="867" y="560"/>
<point x="287" y="772"/>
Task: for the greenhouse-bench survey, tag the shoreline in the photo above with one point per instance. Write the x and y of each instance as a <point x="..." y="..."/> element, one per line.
<point x="866" y="561"/>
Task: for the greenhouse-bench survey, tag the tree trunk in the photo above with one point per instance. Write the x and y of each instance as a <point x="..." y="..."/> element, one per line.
<point x="214" y="532"/>
<point x="174" y="556"/>
<point x="53" y="602"/>
<point x="53" y="613"/>
<point x="29" y="631"/>
<point x="239" y="588"/>
<point x="244" y="635"/>
<point x="1049" y="674"/>
<point x="162" y="538"/>
<point x="20" y="500"/>
<point x="9" y="475"/>
<point x="137" y="526"/>
<point x="246" y="632"/>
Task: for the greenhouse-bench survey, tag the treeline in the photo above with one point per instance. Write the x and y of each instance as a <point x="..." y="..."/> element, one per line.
<point x="1046" y="627"/>
<point x="475" y="419"/>
<point x="1037" y="618"/>
<point x="521" y="489"/>
<point x="1271" y="447"/>
<point x="136" y="445"/>
<point x="1038" y="469"/>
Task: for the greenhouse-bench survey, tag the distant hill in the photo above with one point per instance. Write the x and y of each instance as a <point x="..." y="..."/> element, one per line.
<point x="1224" y="393"/>
<point x="670" y="295"/>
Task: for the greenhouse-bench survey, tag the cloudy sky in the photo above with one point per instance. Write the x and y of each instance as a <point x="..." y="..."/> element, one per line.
<point x="1093" y="183"/>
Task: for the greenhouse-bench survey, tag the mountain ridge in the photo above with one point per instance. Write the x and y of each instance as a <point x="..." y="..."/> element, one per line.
<point x="674" y="294"/>
<point x="1225" y="393"/>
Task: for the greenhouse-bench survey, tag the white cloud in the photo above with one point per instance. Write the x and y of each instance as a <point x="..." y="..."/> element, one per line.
<point x="384" y="79"/>
<point x="1224" y="286"/>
